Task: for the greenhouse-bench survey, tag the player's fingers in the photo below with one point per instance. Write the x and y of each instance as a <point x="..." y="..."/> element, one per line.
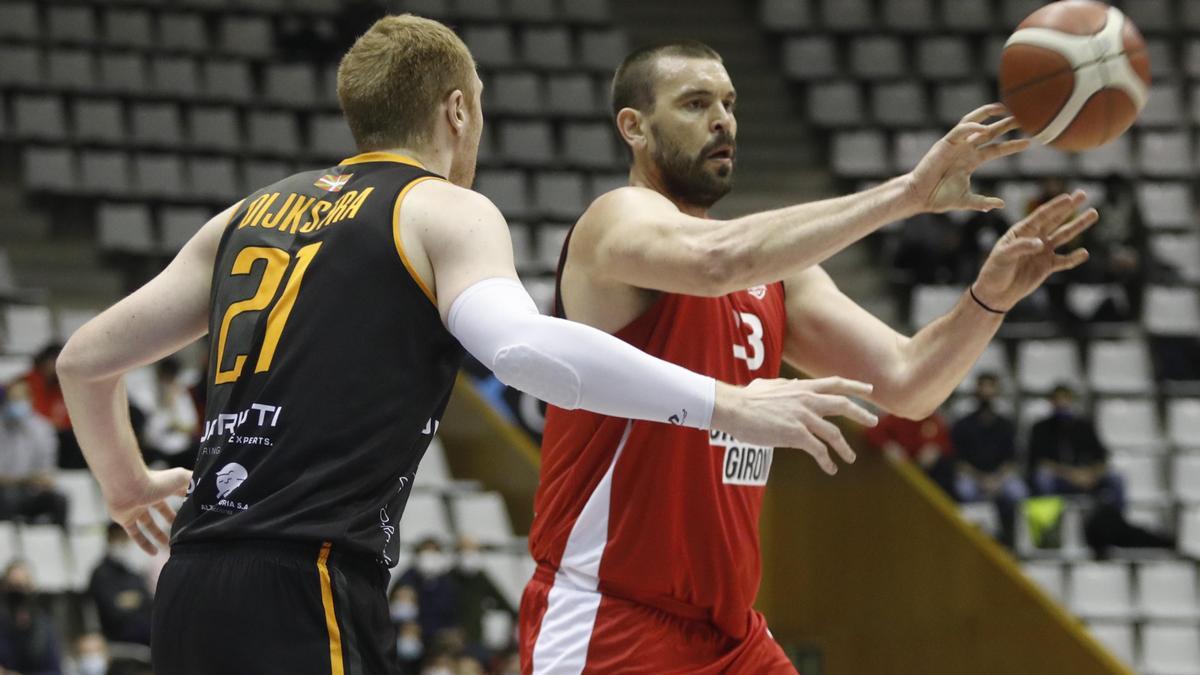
<point x="135" y="533"/>
<point x="1002" y="126"/>
<point x="827" y="405"/>
<point x="841" y="386"/>
<point x="1022" y="246"/>
<point x="807" y="442"/>
<point x="977" y="202"/>
<point x="985" y="112"/>
<point x="164" y="509"/>
<point x="151" y="528"/>
<point x="995" y="151"/>
<point x="963" y="132"/>
<point x="1069" y="261"/>
<point x="1073" y="229"/>
<point x="827" y="431"/>
<point x="1052" y="211"/>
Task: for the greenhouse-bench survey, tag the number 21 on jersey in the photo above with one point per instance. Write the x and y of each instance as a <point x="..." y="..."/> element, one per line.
<point x="277" y="261"/>
<point x="752" y="352"/>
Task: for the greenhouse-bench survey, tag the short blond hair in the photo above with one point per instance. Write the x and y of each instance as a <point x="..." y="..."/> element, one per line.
<point x="391" y="81"/>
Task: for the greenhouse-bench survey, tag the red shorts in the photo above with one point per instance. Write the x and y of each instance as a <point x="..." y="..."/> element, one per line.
<point x="565" y="630"/>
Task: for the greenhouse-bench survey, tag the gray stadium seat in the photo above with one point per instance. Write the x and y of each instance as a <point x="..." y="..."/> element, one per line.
<point x="1042" y="160"/>
<point x="1189" y="531"/>
<point x="492" y="46"/>
<point x="945" y="57"/>
<point x="526" y="143"/>
<point x="88" y="547"/>
<point x="559" y="194"/>
<point x="67" y="321"/>
<point x="71" y="24"/>
<point x="86" y="506"/>
<point x="9" y="542"/>
<point x="603" y="183"/>
<point x="835" y="103"/>
<point x="531" y="10"/>
<point x="1185" y="477"/>
<point x="291" y="84"/>
<point x="571" y="94"/>
<point x="1183" y="423"/>
<point x="898" y="104"/>
<point x="273" y="133"/>
<point x="810" y="57"/>
<point x="1164" y="106"/>
<point x="546" y="47"/>
<point x="71" y="69"/>
<point x="994" y="360"/>
<point x="514" y="92"/>
<point x="180" y="223"/>
<point x="49" y="169"/>
<point x="330" y="138"/>
<point x="425" y="517"/>
<point x="260" y="173"/>
<point x="1181" y="251"/>
<point x="247" y="36"/>
<point x="860" y="153"/>
<point x="908" y="15"/>
<point x="931" y="302"/>
<point x="1170" y="648"/>
<point x="1049" y="576"/>
<point x="434" y="472"/>
<point x="1151" y="16"/>
<point x="953" y="100"/>
<point x="176" y="76"/>
<point x="1119" y="367"/>
<point x="21" y="65"/>
<point x="522" y="243"/>
<point x="478" y="10"/>
<point x="1113" y="157"/>
<point x="602" y="49"/>
<point x="47" y="545"/>
<point x="1143" y="475"/>
<point x="182" y="32"/>
<point x="1129" y="423"/>
<point x="1167" y="589"/>
<point x="105" y="172"/>
<point x="1013" y="12"/>
<point x="1117" y="636"/>
<point x="1162" y="58"/>
<point x="1165" y="204"/>
<point x="1041" y="364"/>
<point x="39" y="118"/>
<point x="124" y="227"/>
<point x="847" y="15"/>
<point x="589" y="145"/>
<point x="214" y="128"/>
<point x="586" y="11"/>
<point x="227" y="80"/>
<point x="483" y="517"/>
<point x="786" y="15"/>
<point x="1101" y="590"/>
<point x="159" y="175"/>
<point x="508" y="189"/>
<point x="156" y="125"/>
<point x="327" y="87"/>
<point x="1171" y="311"/>
<point x="877" y="56"/>
<point x="29" y="328"/>
<point x="122" y="73"/>
<point x="434" y="9"/>
<point x="127" y="27"/>
<point x="19" y="20"/>
<point x="210" y="178"/>
<point x="99" y="121"/>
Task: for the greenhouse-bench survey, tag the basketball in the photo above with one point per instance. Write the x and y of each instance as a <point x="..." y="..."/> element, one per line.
<point x="1075" y="74"/>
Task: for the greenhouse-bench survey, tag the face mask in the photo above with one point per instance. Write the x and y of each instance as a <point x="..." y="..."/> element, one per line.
<point x="410" y="648"/>
<point x="403" y="610"/>
<point x="18" y="410"/>
<point x="431" y="563"/>
<point x="470" y="562"/>
<point x="93" y="664"/>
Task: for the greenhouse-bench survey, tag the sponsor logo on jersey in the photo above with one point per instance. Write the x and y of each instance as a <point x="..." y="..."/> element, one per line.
<point x="759" y="291"/>
<point x="332" y="182"/>
<point x="258" y="414"/>
<point x="743" y="464"/>
<point x="228" y="479"/>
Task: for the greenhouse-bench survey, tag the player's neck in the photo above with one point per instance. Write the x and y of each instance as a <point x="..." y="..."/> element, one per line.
<point x="429" y="158"/>
<point x="641" y="178"/>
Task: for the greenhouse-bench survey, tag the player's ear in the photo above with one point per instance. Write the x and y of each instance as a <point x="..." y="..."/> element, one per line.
<point x="457" y="114"/>
<point x="630" y="125"/>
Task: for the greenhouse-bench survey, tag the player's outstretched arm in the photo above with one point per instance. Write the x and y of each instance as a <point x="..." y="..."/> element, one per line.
<point x="460" y="240"/>
<point x="829" y="334"/>
<point x="638" y="237"/>
<point x="160" y="318"/>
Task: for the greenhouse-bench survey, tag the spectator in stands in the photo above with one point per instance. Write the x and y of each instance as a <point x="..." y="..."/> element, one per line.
<point x="931" y="251"/>
<point x="1066" y="456"/>
<point x="171" y="430"/>
<point x="437" y="594"/>
<point x="477" y="596"/>
<point x="985" y="442"/>
<point x="91" y="655"/>
<point x="28" y="450"/>
<point x="410" y="647"/>
<point x="925" y="442"/>
<point x="120" y="592"/>
<point x="30" y="642"/>
<point x="48" y="402"/>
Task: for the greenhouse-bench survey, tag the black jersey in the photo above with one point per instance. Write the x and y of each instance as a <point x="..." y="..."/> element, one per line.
<point x="329" y="368"/>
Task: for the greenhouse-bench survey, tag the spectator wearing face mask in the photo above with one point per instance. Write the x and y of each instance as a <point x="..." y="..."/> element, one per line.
<point x="1067" y="458"/>
<point x="47" y="398"/>
<point x="410" y="647"/>
<point x="437" y="594"/>
<point x="30" y="643"/>
<point x="28" y="450"/>
<point x="479" y="601"/>
<point x="91" y="655"/>
<point x="118" y="588"/>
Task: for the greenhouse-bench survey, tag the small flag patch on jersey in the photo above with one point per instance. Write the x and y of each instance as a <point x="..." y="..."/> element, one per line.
<point x="332" y="182"/>
<point x="759" y="292"/>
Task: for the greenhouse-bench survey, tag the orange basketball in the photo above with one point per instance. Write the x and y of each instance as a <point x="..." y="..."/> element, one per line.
<point x="1075" y="74"/>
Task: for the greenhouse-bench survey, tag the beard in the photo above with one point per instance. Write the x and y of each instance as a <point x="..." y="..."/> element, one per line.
<point x="687" y="177"/>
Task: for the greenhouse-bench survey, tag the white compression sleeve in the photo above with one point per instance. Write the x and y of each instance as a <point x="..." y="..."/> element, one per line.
<point x="571" y="365"/>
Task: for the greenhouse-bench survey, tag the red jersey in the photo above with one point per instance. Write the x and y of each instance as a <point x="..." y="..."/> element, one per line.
<point x="665" y="515"/>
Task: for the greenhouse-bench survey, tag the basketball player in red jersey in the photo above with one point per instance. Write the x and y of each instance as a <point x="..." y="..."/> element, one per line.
<point x="646" y="536"/>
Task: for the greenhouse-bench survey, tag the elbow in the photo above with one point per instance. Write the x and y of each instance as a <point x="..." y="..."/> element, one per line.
<point x="72" y="364"/>
<point x="718" y="269"/>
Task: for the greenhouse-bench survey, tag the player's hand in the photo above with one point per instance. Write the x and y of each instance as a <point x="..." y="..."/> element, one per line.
<point x="1026" y="255"/>
<point x="135" y="512"/>
<point x="790" y="413"/>
<point x="941" y="181"/>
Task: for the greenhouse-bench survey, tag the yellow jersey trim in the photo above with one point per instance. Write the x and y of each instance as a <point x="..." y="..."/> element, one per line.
<point x="412" y="272"/>
<point x="335" y="635"/>
<point x="380" y="157"/>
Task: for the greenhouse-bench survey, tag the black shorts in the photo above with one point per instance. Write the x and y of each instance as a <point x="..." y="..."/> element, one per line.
<point x="264" y="607"/>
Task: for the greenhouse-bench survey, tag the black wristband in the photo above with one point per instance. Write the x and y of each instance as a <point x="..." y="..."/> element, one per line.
<point x="979" y="302"/>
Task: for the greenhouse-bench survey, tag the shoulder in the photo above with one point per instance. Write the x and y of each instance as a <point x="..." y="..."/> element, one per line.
<point x="435" y="197"/>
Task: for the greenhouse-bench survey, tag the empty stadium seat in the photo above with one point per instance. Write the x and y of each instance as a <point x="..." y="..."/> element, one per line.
<point x="508" y="189"/>
<point x="180" y="223"/>
<point x="88" y="546"/>
<point x="847" y="15"/>
<point x="1164" y="105"/>
<point x="227" y="80"/>
<point x="291" y="84"/>
<point x="47" y="545"/>
<point x="67" y="321"/>
<point x="39" y="118"/>
<point x="522" y="244"/>
<point x="273" y="133"/>
<point x="127" y="27"/>
<point x="559" y="194"/>
<point x="1171" y="649"/>
<point x="911" y="146"/>
<point x="1183" y="422"/>
<point x="28" y="328"/>
<point x="9" y="543"/>
<point x="424" y="518"/>
<point x="49" y="169"/>
<point x="479" y="10"/>
<point x="175" y="77"/>
<point x="586" y="11"/>
<point x="518" y="92"/>
<point x="483" y="517"/>
<point x="541" y="289"/>
<point x="13" y="366"/>
<point x="1116" y="156"/>
<point x="1100" y="590"/>
<point x="19" y="20"/>
<point x="1049" y="576"/>
<point x="589" y="145"/>
<point x="1165" y="204"/>
<point x="1189" y="531"/>
<point x="1118" y="636"/>
<point x="809" y="57"/>
<point x="546" y="47"/>
<point x="99" y="121"/>
<point x="159" y="176"/>
<point x="491" y="45"/>
<point x="329" y="137"/>
<point x="156" y="125"/>
<point x="899" y="103"/>
<point x="860" y="153"/>
<point x="510" y="571"/>
<point x="1167" y="589"/>
<point x="571" y="94"/>
<point x="1042" y="160"/>
<point x="246" y="36"/>
<point x="603" y="183"/>
<point x="212" y="178"/>
<point x="532" y="10"/>
<point x="259" y="173"/>
<point x="550" y="240"/>
<point x="1128" y="423"/>
<point x="1172" y="311"/>
<point x="526" y="142"/>
<point x="1143" y="476"/>
<point x="602" y="49"/>
<point x="835" y="103"/>
<point x="1119" y="366"/>
<point x="71" y="70"/>
<point x="931" y="302"/>
<point x="945" y="57"/>
<point x="124" y="227"/>
<point x="214" y="128"/>
<point x="71" y="24"/>
<point x="182" y="32"/>
<point x="875" y="57"/>
<point x="908" y="15"/>
<point x="434" y="472"/>
<point x="1041" y="364"/>
<point x="1165" y="153"/>
<point x="83" y="497"/>
<point x="954" y="100"/>
<point x="1185" y="477"/>
<point x="1181" y="251"/>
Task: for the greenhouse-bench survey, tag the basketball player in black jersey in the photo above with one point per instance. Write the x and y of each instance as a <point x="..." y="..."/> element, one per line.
<point x="339" y="303"/>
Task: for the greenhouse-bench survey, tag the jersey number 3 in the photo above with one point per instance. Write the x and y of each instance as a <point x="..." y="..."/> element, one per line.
<point x="277" y="261"/>
<point x="753" y="352"/>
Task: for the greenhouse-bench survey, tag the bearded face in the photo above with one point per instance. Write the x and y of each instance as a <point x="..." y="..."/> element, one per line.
<point x="700" y="177"/>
